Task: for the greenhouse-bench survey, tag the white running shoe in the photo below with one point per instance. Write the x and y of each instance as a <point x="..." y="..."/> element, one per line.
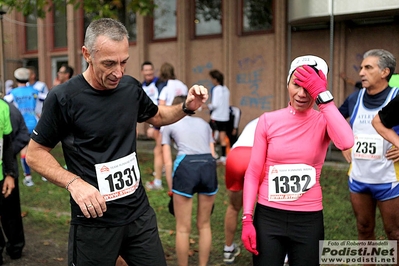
<point x="229" y="256"/>
<point x="152" y="186"/>
<point x="28" y="181"/>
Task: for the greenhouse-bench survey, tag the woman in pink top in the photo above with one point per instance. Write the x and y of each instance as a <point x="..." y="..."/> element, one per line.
<point x="292" y="144"/>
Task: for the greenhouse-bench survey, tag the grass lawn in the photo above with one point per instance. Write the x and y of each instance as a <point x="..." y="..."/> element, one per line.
<point x="46" y="208"/>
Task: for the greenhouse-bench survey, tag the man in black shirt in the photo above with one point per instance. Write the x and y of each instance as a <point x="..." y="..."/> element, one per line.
<point x="94" y="115"/>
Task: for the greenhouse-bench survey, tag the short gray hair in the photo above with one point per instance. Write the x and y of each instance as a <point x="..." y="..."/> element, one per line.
<point x="108" y="27"/>
<point x="386" y="60"/>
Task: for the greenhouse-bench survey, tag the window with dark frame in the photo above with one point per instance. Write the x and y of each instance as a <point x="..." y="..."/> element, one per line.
<point x="31" y="33"/>
<point x="208" y="17"/>
<point x="257" y="16"/>
<point x="129" y="19"/>
<point x="164" y="20"/>
<point x="125" y="15"/>
<point x="60" y="27"/>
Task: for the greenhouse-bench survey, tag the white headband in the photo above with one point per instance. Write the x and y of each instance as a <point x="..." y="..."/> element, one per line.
<point x="310" y="60"/>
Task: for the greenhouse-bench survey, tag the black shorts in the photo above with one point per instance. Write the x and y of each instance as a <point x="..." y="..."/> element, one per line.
<point x="220" y="125"/>
<point x="138" y="243"/>
<point x="195" y="174"/>
<point x="281" y="232"/>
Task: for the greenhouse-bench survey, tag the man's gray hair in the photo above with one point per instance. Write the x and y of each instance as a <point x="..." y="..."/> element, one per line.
<point x="108" y="27"/>
<point x="386" y="60"/>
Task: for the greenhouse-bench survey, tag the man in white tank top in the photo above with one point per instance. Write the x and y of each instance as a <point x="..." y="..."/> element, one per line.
<point x="373" y="179"/>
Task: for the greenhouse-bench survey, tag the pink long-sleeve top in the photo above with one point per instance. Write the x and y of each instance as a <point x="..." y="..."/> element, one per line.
<point x="288" y="137"/>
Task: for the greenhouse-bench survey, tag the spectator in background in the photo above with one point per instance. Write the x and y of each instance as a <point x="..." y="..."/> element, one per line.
<point x="234" y="121"/>
<point x="151" y="84"/>
<point x="236" y="164"/>
<point x="25" y="98"/>
<point x="11" y="218"/>
<point x="172" y="88"/>
<point x="194" y="172"/>
<point x="9" y="86"/>
<point x="64" y="73"/>
<point x="220" y="110"/>
<point x="38" y="85"/>
<point x="152" y="87"/>
<point x="7" y="167"/>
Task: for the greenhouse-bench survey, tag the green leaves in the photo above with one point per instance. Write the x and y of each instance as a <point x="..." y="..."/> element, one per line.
<point x="103" y="8"/>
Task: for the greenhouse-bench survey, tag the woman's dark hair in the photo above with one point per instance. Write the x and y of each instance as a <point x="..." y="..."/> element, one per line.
<point x="216" y="74"/>
<point x="167" y="72"/>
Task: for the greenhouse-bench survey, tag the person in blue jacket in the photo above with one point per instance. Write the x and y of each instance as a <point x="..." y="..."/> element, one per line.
<point x="25" y="98"/>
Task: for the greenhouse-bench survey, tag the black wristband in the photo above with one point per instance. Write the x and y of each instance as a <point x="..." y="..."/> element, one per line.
<point x="12" y="174"/>
<point x="187" y="111"/>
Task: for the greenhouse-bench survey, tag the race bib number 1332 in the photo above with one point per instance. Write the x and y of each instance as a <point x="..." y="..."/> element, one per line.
<point x="288" y="182"/>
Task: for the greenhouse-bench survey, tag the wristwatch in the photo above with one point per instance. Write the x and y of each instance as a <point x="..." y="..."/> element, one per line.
<point x="324" y="97"/>
<point x="187" y="111"/>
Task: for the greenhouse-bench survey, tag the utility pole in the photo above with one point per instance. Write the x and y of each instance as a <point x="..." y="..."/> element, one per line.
<point x="3" y="61"/>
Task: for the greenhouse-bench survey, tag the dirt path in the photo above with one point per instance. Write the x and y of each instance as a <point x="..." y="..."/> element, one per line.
<point x="39" y="251"/>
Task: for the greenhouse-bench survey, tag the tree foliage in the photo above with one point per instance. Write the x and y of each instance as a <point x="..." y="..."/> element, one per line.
<point x="209" y="9"/>
<point x="259" y="14"/>
<point x="104" y="8"/>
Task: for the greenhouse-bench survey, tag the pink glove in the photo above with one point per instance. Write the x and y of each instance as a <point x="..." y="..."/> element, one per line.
<point x="248" y="235"/>
<point x="307" y="78"/>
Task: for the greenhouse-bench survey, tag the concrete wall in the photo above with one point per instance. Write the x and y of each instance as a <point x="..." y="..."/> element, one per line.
<point x="306" y="10"/>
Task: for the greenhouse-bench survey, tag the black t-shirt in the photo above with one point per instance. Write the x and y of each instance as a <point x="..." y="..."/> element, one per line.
<point x="389" y="115"/>
<point x="95" y="127"/>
